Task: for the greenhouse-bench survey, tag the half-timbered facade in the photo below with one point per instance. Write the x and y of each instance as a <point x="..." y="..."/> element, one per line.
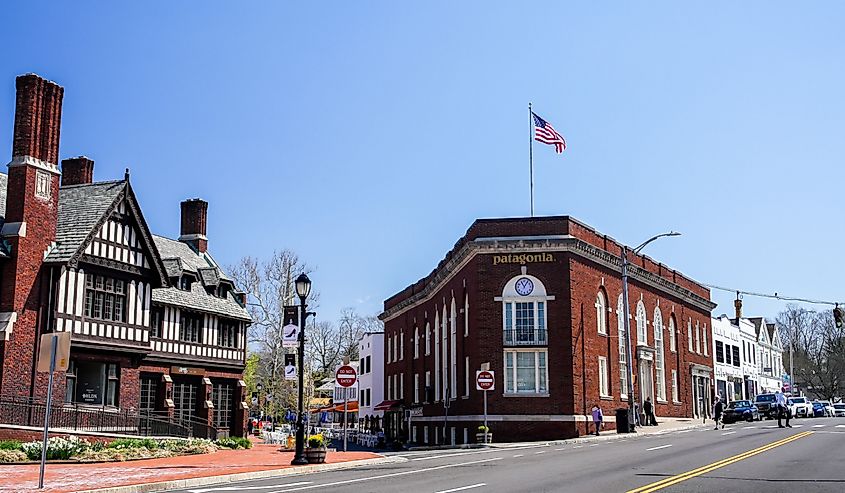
<point x="156" y="325"/>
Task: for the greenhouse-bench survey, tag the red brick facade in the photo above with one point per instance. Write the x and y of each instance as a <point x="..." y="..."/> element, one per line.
<point x="574" y="263"/>
<point x="41" y="294"/>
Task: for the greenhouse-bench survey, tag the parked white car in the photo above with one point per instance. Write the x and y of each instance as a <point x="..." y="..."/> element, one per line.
<point x="829" y="412"/>
<point x="801" y="407"/>
<point x="839" y="410"/>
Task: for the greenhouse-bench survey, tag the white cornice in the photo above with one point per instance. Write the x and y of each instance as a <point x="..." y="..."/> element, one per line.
<point x="18" y="161"/>
<point x="521" y="245"/>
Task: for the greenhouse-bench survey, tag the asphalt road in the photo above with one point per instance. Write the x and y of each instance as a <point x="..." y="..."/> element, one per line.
<point x="745" y="457"/>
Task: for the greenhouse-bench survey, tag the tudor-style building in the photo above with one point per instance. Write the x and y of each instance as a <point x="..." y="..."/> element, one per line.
<point x="156" y="325"/>
<point x="539" y="302"/>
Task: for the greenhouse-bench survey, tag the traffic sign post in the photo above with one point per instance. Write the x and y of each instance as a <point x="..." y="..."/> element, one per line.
<point x="55" y="347"/>
<point x="345" y="376"/>
<point x="485" y="380"/>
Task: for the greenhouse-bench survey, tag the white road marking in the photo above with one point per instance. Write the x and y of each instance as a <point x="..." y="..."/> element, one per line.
<point x="748" y="427"/>
<point x="594" y="445"/>
<point x="685" y="431"/>
<point x="728" y="433"/>
<point x="819" y="426"/>
<point x="559" y="449"/>
<point x="241" y="488"/>
<point x="456" y="454"/>
<point x="578" y="446"/>
<point x="464" y="488"/>
<point x="658" y="448"/>
<point x="840" y="426"/>
<point x="518" y="455"/>
<point x="391" y="475"/>
<point x="797" y="426"/>
<point x="540" y="452"/>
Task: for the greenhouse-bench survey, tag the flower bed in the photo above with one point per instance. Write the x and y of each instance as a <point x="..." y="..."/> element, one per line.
<point x="76" y="449"/>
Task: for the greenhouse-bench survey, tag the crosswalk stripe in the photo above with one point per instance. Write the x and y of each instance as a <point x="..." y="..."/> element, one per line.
<point x="840" y="426"/>
<point x="818" y="426"/>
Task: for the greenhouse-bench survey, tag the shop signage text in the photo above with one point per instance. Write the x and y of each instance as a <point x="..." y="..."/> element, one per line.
<point x="523" y="258"/>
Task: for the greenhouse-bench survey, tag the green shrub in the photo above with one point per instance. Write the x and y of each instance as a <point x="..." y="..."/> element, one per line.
<point x="190" y="446"/>
<point x="234" y="443"/>
<point x="9" y="455"/>
<point x="58" y="448"/>
<point x="483" y="429"/>
<point x="133" y="443"/>
<point x="10" y="444"/>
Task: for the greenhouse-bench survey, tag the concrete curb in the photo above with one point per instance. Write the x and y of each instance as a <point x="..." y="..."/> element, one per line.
<point x="243" y="476"/>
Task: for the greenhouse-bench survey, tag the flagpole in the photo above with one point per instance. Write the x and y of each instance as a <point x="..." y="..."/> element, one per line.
<point x="531" y="155"/>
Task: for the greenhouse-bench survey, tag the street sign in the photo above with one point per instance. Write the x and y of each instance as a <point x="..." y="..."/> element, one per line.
<point x="485" y="380"/>
<point x="290" y="367"/>
<point x="346" y="376"/>
<point x="290" y="331"/>
<point x="62" y="351"/>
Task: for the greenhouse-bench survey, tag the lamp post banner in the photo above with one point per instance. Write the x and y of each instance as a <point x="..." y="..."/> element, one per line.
<point x="290" y="330"/>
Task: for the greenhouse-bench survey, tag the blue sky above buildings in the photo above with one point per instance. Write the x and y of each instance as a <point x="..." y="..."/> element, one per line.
<point x="367" y="136"/>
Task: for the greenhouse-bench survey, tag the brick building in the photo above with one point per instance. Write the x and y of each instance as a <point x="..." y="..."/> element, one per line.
<point x="538" y="301"/>
<point x="156" y="325"/>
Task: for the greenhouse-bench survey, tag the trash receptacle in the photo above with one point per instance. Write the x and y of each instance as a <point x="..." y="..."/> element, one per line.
<point x="622" y="421"/>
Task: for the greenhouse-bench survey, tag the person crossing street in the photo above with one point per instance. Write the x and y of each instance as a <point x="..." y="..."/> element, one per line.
<point x="783" y="408"/>
<point x="718" y="407"/>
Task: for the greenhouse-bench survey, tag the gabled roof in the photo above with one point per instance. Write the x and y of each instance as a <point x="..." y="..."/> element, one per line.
<point x="198" y="299"/>
<point x="81" y="208"/>
<point x="84" y="208"/>
<point x="192" y="261"/>
<point x="773" y="335"/>
<point x="210" y="276"/>
<point x="758" y="322"/>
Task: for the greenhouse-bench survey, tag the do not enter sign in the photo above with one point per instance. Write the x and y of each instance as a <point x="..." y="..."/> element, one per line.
<point x="484" y="380"/>
<point x="346" y="376"/>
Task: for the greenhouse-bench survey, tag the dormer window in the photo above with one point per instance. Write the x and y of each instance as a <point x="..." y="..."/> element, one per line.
<point x="185" y="283"/>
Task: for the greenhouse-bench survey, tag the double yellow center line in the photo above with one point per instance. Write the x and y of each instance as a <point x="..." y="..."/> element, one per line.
<point x="659" y="485"/>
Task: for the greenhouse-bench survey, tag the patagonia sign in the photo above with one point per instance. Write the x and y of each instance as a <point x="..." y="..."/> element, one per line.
<point x="523" y="258"/>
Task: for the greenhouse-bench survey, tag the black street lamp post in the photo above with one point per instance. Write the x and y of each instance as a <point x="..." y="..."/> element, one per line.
<point x="303" y="287"/>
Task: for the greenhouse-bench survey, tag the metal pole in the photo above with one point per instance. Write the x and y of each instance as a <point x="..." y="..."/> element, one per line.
<point x="299" y="455"/>
<point x="531" y="154"/>
<point x="791" y="368"/>
<point x="629" y="377"/>
<point x="446" y="418"/>
<point x="485" y="417"/>
<point x="54" y="342"/>
<point x="345" y="401"/>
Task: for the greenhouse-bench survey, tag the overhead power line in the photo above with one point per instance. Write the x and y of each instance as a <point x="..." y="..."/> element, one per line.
<point x="775" y="296"/>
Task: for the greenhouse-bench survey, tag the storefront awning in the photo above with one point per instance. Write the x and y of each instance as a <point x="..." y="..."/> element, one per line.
<point x="387" y="405"/>
<point x="352" y="407"/>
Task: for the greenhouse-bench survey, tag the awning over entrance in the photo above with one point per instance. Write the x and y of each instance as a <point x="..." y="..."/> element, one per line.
<point x="352" y="407"/>
<point x="387" y="405"/>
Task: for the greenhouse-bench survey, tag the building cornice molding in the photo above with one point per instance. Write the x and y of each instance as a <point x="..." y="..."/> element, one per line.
<point x="18" y="161"/>
<point x="562" y="245"/>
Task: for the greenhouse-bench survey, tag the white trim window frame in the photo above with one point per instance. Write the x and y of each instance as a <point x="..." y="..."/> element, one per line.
<point x="675" y="397"/>
<point x="672" y="335"/>
<point x="689" y="335"/>
<point x="623" y="359"/>
<point x="601" y="313"/>
<point x="526" y="375"/>
<point x="642" y="324"/>
<point x="604" y="383"/>
<point x="659" y="367"/>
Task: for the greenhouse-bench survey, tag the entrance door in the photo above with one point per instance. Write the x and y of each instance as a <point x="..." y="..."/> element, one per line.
<point x="185" y="400"/>
<point x="646" y="381"/>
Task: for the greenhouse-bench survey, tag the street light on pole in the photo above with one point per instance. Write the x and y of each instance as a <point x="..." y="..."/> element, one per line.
<point x="303" y="288"/>
<point x="627" y="324"/>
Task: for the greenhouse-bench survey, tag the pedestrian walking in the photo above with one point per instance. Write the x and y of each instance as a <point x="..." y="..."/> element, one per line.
<point x="598" y="417"/>
<point x="783" y="408"/>
<point x="637" y="421"/>
<point x="648" y="408"/>
<point x="718" y="407"/>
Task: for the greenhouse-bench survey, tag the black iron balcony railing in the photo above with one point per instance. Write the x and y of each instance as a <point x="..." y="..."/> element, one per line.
<point x="526" y="337"/>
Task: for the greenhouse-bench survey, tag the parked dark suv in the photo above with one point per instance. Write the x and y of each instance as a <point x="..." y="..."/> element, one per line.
<point x="766" y="405"/>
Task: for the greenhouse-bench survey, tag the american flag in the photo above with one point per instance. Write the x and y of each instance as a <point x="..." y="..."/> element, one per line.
<point x="545" y="133"/>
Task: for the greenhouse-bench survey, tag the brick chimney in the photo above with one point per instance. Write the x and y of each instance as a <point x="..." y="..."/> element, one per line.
<point x="738" y="306"/>
<point x="77" y="171"/>
<point x="194" y="219"/>
<point x="32" y="198"/>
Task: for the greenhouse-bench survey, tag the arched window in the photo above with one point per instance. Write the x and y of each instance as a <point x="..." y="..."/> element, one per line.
<point x="672" y="329"/>
<point x="601" y="313"/>
<point x="689" y="334"/>
<point x="427" y="339"/>
<point x="642" y="331"/>
<point x="416" y="342"/>
<point x="436" y="336"/>
<point x="466" y="315"/>
<point x="623" y="357"/>
<point x="659" y="372"/>
<point x="524" y="310"/>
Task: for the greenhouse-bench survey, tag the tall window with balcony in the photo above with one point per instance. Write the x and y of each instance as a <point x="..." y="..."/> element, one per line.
<point x="524" y="308"/>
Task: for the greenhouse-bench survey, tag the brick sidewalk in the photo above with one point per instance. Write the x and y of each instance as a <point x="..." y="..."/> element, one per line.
<point x="62" y="478"/>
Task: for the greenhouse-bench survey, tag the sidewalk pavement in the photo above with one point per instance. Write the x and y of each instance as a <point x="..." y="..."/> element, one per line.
<point x="665" y="425"/>
<point x="147" y="475"/>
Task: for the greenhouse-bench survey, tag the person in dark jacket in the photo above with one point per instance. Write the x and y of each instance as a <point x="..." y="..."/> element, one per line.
<point x="648" y="409"/>
<point x="718" y="407"/>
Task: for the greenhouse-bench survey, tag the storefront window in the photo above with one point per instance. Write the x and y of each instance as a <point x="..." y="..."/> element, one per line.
<point x="221" y="396"/>
<point x="92" y="383"/>
<point x="526" y="372"/>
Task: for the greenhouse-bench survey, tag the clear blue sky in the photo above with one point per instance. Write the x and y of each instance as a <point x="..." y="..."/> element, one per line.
<point x="367" y="136"/>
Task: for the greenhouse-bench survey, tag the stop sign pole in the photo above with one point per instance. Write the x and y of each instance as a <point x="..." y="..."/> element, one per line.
<point x="485" y="380"/>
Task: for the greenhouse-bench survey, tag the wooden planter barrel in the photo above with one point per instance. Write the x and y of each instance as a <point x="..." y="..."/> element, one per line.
<point x="479" y="437"/>
<point x="315" y="455"/>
